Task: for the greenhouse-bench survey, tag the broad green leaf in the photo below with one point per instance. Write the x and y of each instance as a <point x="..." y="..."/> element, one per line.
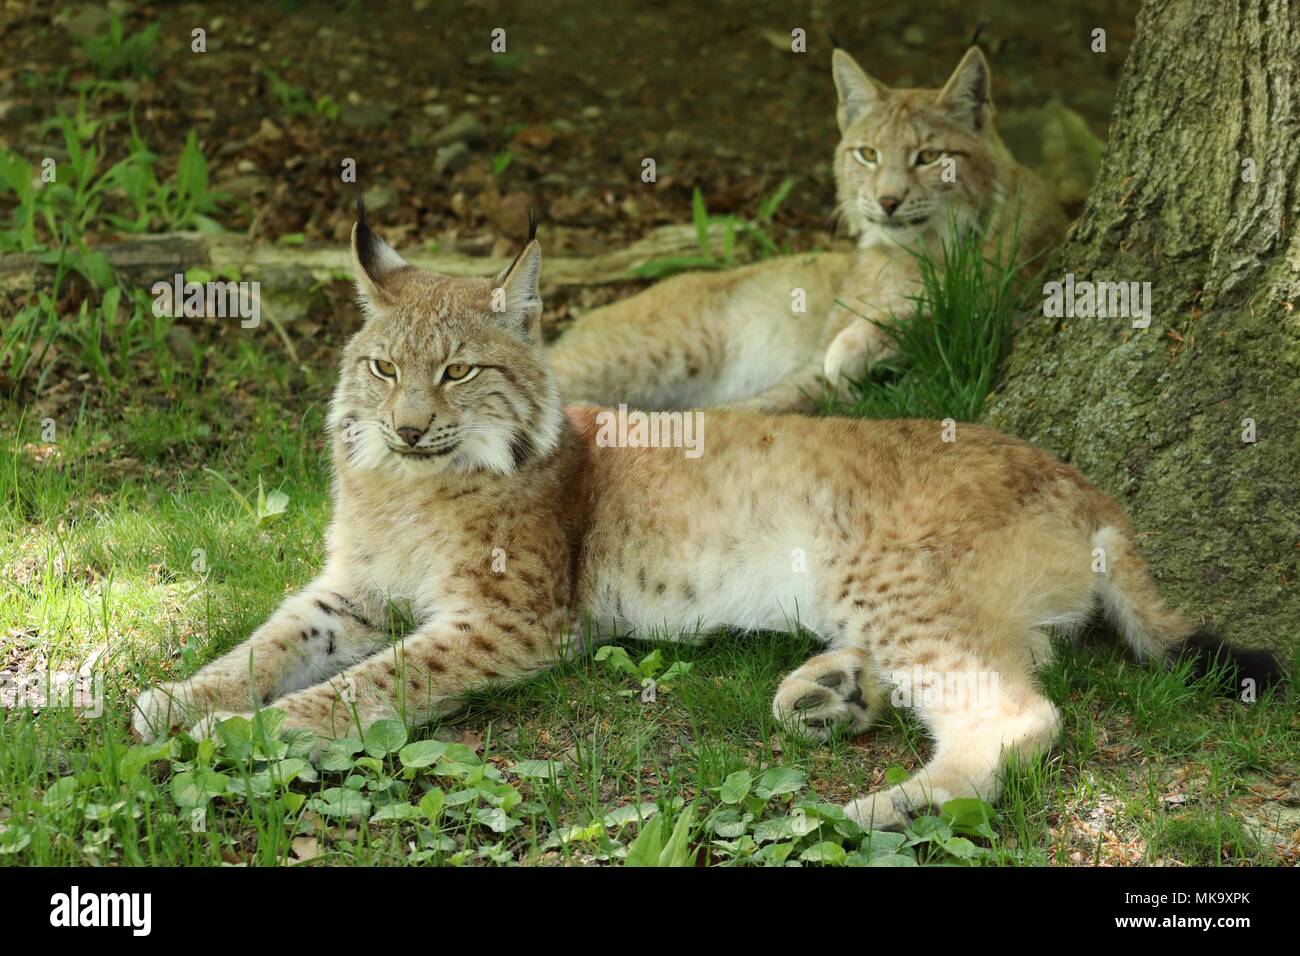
<point x="779" y="780"/>
<point x="496" y="818"/>
<point x="832" y="854"/>
<point x="256" y="786"/>
<point x="422" y="753"/>
<point x="677" y="852"/>
<point x="961" y="848"/>
<point x="339" y="755"/>
<point x="284" y="772"/>
<point x="341" y="803"/>
<point x="293" y="801"/>
<point x="928" y="829"/>
<point x="537" y="769"/>
<point x="141" y="755"/>
<point x="729" y="823"/>
<point x="736" y="787"/>
<point x="621" y="816"/>
<point x="876" y="842"/>
<point x="60" y="792"/>
<point x="395" y="811"/>
<point x="14" y="839"/>
<point x="385" y="737"/>
<point x="431" y="804"/>
<point x="194" y="787"/>
<point x="645" y="849"/>
<point x="269" y="721"/>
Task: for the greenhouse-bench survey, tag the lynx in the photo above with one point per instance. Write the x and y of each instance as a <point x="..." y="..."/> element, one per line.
<point x="513" y="537"/>
<point x="910" y="165"/>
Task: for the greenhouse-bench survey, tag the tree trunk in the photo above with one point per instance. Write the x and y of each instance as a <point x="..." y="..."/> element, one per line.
<point x="1199" y="194"/>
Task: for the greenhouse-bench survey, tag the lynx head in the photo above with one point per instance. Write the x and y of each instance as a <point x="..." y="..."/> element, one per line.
<point x="447" y="374"/>
<point x="909" y="160"/>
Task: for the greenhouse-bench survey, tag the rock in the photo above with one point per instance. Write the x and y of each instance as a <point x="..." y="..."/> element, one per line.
<point x="535" y="137"/>
<point x="569" y="209"/>
<point x="465" y="128"/>
<point x="452" y="159"/>
<point x="364" y="115"/>
<point x="180" y="342"/>
<point x="84" y="22"/>
<point x="380" y="197"/>
<point x="508" y="213"/>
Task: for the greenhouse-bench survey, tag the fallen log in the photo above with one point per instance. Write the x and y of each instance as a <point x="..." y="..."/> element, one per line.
<point x="148" y="259"/>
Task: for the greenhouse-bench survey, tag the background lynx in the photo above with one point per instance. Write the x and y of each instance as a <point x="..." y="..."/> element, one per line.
<point x="921" y="555"/>
<point x="909" y="164"/>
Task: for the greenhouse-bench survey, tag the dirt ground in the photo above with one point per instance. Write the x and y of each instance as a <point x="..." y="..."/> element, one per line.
<point x="583" y="93"/>
<point x="453" y="143"/>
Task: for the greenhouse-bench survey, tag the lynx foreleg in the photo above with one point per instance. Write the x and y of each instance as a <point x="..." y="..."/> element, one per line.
<point x="421" y="677"/>
<point x="316" y="632"/>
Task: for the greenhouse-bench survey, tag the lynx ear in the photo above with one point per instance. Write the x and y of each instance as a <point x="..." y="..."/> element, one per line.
<point x="373" y="261"/>
<point x="858" y="91"/>
<point x="515" y="294"/>
<point x="967" y="95"/>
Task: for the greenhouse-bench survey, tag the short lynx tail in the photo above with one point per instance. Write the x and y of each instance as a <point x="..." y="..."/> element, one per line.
<point x="1156" y="631"/>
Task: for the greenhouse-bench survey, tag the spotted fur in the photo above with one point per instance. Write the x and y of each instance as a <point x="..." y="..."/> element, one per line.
<point x="735" y="337"/>
<point x="897" y="546"/>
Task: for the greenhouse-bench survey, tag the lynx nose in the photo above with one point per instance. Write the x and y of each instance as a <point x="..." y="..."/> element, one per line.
<point x="889" y="204"/>
<point x="410" y="435"/>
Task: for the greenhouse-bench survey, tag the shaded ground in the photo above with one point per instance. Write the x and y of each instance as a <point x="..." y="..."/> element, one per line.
<point x="453" y="143"/>
<point x="100" y="527"/>
<point x="583" y="93"/>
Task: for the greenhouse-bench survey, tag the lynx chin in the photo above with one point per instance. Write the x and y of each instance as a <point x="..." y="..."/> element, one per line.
<point x="953" y="557"/>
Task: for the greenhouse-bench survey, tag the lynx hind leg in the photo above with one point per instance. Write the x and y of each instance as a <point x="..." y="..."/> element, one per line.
<point x="973" y="739"/>
<point x="832" y="691"/>
<point x="314" y="634"/>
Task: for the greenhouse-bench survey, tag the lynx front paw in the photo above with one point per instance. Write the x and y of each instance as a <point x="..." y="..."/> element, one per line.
<point x="849" y="354"/>
<point x="824" y="695"/>
<point x="161" y="709"/>
<point x="888" y="810"/>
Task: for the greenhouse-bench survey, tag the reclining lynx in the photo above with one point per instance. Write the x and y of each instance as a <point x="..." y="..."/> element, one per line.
<point x="909" y="164"/>
<point x="451" y="450"/>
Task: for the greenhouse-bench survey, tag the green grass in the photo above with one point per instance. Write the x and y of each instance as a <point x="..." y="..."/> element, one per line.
<point x="946" y="364"/>
<point x="99" y="545"/>
<point x="174" y="508"/>
<point x="752" y="231"/>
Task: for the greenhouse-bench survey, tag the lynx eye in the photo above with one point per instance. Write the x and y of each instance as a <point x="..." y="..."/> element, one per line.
<point x="865" y="155"/>
<point x="927" y="157"/>
<point x="380" y="368"/>
<point x="458" y="372"/>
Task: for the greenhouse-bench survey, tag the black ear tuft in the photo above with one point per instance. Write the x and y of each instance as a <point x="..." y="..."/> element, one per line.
<point x="979" y="28"/>
<point x="835" y="41"/>
<point x="367" y="247"/>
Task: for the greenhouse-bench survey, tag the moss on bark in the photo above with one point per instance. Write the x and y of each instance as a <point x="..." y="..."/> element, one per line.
<point x="1199" y="194"/>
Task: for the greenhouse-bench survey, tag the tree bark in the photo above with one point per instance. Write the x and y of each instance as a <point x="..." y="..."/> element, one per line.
<point x="1199" y="194"/>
